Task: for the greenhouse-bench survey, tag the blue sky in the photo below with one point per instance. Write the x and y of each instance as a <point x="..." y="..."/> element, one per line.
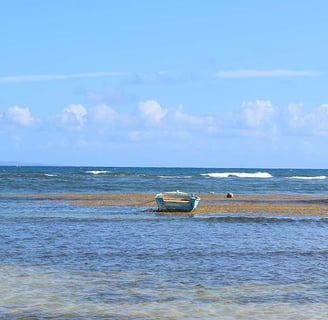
<point x="164" y="83"/>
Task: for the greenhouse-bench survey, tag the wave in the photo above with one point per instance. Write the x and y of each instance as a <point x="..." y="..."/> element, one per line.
<point x="175" y="177"/>
<point x="238" y="175"/>
<point x="309" y="178"/>
<point x="98" y="172"/>
<point x="37" y="175"/>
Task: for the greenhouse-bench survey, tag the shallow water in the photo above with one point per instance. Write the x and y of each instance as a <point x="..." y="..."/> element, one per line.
<point x="60" y="261"/>
<point x="98" y="263"/>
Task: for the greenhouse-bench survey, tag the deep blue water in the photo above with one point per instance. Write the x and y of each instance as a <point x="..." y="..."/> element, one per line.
<point x="60" y="261"/>
<point x="152" y="180"/>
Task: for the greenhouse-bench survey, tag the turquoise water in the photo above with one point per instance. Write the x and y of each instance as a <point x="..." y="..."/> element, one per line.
<point x="60" y="261"/>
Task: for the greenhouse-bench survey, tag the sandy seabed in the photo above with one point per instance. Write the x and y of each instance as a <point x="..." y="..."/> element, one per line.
<point x="269" y="205"/>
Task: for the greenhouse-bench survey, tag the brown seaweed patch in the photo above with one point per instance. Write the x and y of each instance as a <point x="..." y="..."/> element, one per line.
<point x="274" y="205"/>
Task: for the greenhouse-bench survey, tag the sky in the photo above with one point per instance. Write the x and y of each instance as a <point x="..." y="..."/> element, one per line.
<point x="174" y="83"/>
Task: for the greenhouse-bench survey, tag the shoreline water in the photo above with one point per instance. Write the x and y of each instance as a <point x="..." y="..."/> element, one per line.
<point x="84" y="255"/>
<point x="255" y="205"/>
<point x="90" y="243"/>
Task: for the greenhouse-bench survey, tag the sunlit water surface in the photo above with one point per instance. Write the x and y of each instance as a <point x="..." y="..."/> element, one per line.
<point x="60" y="261"/>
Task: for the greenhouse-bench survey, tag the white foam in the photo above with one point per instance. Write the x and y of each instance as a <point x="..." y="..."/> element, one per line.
<point x="238" y="174"/>
<point x="97" y="171"/>
<point x="309" y="178"/>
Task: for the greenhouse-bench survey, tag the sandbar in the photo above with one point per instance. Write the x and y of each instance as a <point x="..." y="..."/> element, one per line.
<point x="259" y="205"/>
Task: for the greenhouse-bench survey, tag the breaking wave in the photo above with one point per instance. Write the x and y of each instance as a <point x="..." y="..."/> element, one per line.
<point x="309" y="178"/>
<point x="98" y="171"/>
<point x="238" y="175"/>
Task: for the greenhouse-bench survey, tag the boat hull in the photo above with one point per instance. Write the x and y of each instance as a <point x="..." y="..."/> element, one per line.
<point x="176" y="202"/>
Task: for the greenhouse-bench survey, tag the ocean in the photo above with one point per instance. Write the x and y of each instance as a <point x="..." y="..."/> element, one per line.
<point x="62" y="261"/>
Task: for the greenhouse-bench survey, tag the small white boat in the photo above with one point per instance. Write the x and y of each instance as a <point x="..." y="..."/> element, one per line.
<point x="177" y="201"/>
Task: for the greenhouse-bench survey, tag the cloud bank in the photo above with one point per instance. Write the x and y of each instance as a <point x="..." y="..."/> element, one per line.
<point x="150" y="120"/>
<point x="102" y="133"/>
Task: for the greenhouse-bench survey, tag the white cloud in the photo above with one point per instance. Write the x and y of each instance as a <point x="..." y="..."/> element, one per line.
<point x="183" y="117"/>
<point x="258" y="113"/>
<point x="321" y="120"/>
<point x="21" y="116"/>
<point x="205" y="123"/>
<point x="106" y="117"/>
<point x="151" y="111"/>
<point x="175" y="124"/>
<point x="254" y="73"/>
<point x="296" y="117"/>
<point x="47" y="77"/>
<point x="309" y="122"/>
<point x="74" y="116"/>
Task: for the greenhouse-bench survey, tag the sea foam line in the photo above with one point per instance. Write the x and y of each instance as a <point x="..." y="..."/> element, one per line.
<point x="309" y="178"/>
<point x="238" y="175"/>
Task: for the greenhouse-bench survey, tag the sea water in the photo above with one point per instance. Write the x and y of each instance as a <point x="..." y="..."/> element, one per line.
<point x="60" y="261"/>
